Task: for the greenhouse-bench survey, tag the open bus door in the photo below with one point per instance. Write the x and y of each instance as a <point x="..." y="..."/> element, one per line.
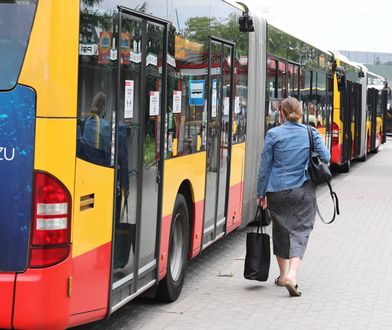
<point x="357" y="109"/>
<point x="141" y="102"/>
<point x="347" y="110"/>
<point x="373" y="99"/>
<point x="220" y="113"/>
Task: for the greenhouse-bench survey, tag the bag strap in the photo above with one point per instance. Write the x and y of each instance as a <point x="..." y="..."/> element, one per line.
<point x="124" y="206"/>
<point x="258" y="220"/>
<point x="311" y="144"/>
<point x="335" y="201"/>
<point x="334" y="197"/>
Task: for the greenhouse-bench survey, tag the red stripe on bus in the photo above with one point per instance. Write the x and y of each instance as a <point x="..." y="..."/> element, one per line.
<point x="235" y="207"/>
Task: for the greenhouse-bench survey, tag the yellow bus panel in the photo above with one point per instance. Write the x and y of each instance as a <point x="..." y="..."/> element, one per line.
<point x="51" y="62"/>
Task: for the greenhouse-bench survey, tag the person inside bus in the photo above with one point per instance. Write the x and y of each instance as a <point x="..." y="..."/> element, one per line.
<point x="284" y="187"/>
<point x="96" y="133"/>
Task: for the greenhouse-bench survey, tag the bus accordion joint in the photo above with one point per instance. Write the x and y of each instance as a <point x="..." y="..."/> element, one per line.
<point x="51" y="223"/>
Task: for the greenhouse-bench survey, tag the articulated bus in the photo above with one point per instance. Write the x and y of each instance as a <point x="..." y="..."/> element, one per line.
<point x="378" y="97"/>
<point x="130" y="137"/>
<point x="360" y="104"/>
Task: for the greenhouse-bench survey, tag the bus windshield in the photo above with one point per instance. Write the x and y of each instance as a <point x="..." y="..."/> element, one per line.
<point x="16" y="18"/>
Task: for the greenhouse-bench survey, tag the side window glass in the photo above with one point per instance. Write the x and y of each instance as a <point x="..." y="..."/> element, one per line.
<point x="97" y="81"/>
<point x="239" y="116"/>
<point x="271" y="78"/>
<point x="281" y="80"/>
<point x="187" y="96"/>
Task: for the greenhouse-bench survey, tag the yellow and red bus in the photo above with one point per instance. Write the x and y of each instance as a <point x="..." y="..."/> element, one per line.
<point x="358" y="114"/>
<point x="122" y="140"/>
<point x="376" y="110"/>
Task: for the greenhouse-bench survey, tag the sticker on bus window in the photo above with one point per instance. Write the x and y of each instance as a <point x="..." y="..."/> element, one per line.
<point x="196" y="93"/>
<point x="154" y="103"/>
<point x="128" y="99"/>
<point x="177" y="98"/>
<point x="226" y="106"/>
<point x="213" y="103"/>
<point x="237" y="108"/>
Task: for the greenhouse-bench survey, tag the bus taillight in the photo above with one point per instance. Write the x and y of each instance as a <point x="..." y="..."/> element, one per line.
<point x="335" y="134"/>
<point x="51" y="226"/>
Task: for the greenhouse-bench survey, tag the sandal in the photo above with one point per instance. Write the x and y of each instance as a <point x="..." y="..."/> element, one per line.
<point x="278" y="282"/>
<point x="292" y="289"/>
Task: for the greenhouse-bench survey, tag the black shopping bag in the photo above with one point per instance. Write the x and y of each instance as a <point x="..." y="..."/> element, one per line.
<point x="124" y="238"/>
<point x="258" y="253"/>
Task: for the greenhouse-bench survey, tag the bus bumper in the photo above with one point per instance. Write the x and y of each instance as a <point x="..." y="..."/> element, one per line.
<point x="42" y="297"/>
<point x="7" y="284"/>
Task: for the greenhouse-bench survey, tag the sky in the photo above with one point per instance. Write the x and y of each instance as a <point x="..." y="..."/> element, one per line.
<point x="362" y="25"/>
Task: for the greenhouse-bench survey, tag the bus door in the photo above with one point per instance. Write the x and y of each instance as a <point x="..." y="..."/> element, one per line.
<point x="346" y="110"/>
<point x="329" y="112"/>
<point x="373" y="117"/>
<point x="220" y="112"/>
<point x="357" y="112"/>
<point x="141" y="100"/>
<point x="385" y="96"/>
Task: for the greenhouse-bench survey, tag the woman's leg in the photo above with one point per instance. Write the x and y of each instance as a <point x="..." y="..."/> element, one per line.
<point x="283" y="268"/>
<point x="292" y="269"/>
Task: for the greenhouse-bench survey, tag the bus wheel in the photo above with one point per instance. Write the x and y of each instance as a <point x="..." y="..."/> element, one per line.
<point x="364" y="157"/>
<point x="345" y="168"/>
<point x="170" y="287"/>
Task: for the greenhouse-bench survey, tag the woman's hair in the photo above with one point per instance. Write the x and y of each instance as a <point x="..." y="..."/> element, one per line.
<point x="98" y="104"/>
<point x="291" y="108"/>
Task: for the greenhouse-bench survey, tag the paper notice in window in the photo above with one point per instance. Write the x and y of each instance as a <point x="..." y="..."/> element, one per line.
<point x="237" y="108"/>
<point x="128" y="99"/>
<point x="154" y="103"/>
<point x="177" y="97"/>
<point x="226" y="106"/>
<point x="213" y="103"/>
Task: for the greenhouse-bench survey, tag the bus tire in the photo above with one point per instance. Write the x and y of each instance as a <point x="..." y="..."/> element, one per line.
<point x="364" y="157"/>
<point x="170" y="287"/>
<point x="345" y="168"/>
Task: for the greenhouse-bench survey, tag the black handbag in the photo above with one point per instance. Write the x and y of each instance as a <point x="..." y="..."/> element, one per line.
<point x="319" y="173"/>
<point x="318" y="170"/>
<point x="124" y="239"/>
<point x="258" y="253"/>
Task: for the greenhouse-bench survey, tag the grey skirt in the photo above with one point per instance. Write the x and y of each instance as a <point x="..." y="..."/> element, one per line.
<point x="293" y="213"/>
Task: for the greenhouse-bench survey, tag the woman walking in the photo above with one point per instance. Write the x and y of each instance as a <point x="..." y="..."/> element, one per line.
<point x="284" y="187"/>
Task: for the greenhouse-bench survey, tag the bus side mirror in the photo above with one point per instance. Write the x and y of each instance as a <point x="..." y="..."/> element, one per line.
<point x="341" y="79"/>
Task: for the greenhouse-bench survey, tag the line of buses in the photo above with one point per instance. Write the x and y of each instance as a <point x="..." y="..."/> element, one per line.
<point x="130" y="135"/>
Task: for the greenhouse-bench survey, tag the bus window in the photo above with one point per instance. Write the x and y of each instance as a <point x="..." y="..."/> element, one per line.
<point x="281" y="80"/>
<point x="295" y="82"/>
<point x="186" y="115"/>
<point x="14" y="36"/>
<point x="306" y="90"/>
<point x="320" y="97"/>
<point x="379" y="104"/>
<point x="271" y="78"/>
<point x="290" y="79"/>
<point x="96" y="94"/>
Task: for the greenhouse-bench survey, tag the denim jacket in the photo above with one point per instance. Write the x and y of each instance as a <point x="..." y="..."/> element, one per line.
<point x="284" y="160"/>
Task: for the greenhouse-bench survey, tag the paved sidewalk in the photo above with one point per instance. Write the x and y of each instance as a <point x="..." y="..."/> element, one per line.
<point x="346" y="277"/>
